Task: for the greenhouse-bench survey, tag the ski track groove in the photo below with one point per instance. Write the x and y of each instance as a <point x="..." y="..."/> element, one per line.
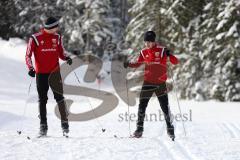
<point x="177" y="150"/>
<point x="170" y="149"/>
<point x="167" y="150"/>
<point x="230" y="130"/>
<point x="162" y="130"/>
<point x="222" y="130"/>
<point x="236" y="128"/>
<point x="226" y="130"/>
<point x="185" y="151"/>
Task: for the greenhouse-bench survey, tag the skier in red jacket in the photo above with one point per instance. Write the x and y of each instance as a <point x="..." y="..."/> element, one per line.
<point x="155" y="59"/>
<point x="47" y="48"/>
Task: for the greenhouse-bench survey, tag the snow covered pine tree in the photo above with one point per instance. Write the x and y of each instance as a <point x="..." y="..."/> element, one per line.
<point x="155" y="58"/>
<point x="47" y="48"/>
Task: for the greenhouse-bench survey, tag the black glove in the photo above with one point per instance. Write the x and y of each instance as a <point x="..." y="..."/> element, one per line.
<point x="31" y="72"/>
<point x="125" y="64"/>
<point x="167" y="51"/>
<point x="69" y="60"/>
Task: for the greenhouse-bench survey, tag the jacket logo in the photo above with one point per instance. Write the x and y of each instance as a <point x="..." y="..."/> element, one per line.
<point x="157" y="54"/>
<point x="54" y="41"/>
<point x="48" y="50"/>
<point x="42" y="42"/>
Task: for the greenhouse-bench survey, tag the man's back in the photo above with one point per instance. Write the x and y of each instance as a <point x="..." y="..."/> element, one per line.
<point x="47" y="49"/>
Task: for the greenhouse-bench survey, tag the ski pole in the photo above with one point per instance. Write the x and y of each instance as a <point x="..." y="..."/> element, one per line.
<point x="25" y="106"/>
<point x="94" y="114"/>
<point x="179" y="107"/>
<point x="129" y="123"/>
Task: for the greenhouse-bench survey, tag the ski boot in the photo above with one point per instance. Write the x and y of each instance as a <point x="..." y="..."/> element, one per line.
<point x="170" y="132"/>
<point x="65" y="128"/>
<point x="138" y="133"/>
<point x="43" y="130"/>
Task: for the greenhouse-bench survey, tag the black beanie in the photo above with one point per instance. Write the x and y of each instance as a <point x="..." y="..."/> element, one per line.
<point x="149" y="36"/>
<point x="51" y="23"/>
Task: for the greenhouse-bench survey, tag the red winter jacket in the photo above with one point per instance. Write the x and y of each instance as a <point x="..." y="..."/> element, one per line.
<point x="47" y="49"/>
<point x="155" y="60"/>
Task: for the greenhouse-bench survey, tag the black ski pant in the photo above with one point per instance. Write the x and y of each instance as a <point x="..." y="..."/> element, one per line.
<point x="146" y="93"/>
<point x="54" y="81"/>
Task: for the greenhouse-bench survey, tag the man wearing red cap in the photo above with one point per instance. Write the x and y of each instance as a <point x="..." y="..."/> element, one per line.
<point x="47" y="48"/>
<point x="155" y="59"/>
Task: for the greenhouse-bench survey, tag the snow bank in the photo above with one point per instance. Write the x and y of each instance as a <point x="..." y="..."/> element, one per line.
<point x="14" y="49"/>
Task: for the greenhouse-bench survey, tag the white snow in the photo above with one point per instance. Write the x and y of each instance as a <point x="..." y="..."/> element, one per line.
<point x="220" y="35"/>
<point x="208" y="6"/>
<point x="15" y="49"/>
<point x="232" y="29"/>
<point x="220" y="24"/>
<point x="227" y="11"/>
<point x="198" y="86"/>
<point x="213" y="128"/>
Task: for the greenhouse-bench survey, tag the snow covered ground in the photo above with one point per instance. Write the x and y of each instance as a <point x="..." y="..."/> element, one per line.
<point x="213" y="128"/>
